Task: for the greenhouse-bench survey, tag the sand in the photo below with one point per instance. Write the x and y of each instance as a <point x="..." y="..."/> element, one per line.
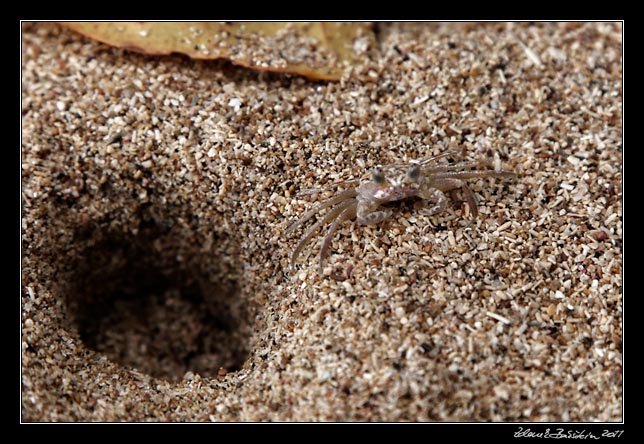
<point x="155" y="267"/>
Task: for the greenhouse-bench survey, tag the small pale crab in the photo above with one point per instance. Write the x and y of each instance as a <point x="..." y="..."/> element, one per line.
<point x="389" y="184"/>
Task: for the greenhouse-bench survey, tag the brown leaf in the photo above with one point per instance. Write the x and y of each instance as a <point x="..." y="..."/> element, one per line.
<point x="315" y="50"/>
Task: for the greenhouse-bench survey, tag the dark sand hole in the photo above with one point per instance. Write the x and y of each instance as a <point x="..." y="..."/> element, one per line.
<point x="161" y="302"/>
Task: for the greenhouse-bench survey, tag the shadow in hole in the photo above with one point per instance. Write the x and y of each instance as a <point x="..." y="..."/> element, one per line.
<point x="157" y="303"/>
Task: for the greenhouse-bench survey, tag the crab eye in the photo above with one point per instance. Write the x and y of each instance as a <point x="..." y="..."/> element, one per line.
<point x="413" y="173"/>
<point x="378" y="176"/>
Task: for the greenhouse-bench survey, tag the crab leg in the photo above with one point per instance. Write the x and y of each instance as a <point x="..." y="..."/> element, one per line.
<point x="472" y="174"/>
<point x="471" y="201"/>
<point x="445" y="184"/>
<point x="436" y="157"/>
<point x="317" y="225"/>
<point x="347" y="194"/>
<point x="452" y="167"/>
<point x="348" y="213"/>
<point x="421" y="162"/>
<point x="433" y="195"/>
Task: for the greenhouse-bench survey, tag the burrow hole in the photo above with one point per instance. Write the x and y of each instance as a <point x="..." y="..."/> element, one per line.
<point x="164" y="301"/>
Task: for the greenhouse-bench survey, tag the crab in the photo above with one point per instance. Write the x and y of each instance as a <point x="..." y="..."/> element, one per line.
<point x="392" y="183"/>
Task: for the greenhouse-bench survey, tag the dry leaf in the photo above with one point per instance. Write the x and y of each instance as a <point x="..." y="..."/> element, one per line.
<point x="315" y="50"/>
